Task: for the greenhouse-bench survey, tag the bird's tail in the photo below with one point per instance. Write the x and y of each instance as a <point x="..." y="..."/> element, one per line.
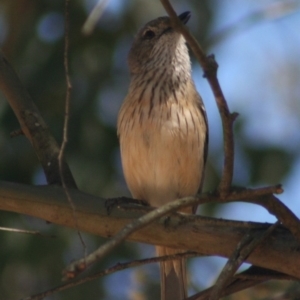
<point x="173" y="275"/>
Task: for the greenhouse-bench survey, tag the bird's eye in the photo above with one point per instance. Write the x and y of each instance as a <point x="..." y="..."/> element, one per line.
<point x="149" y="34"/>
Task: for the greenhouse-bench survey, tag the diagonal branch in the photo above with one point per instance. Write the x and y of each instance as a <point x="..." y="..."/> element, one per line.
<point x="241" y="281"/>
<point x="33" y="125"/>
<point x="94" y="17"/>
<point x="242" y="251"/>
<point x="113" y="269"/>
<point x="280" y="211"/>
<point x="78" y="266"/>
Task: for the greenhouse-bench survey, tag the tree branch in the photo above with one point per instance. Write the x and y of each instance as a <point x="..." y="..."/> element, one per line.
<point x="207" y="236"/>
<point x="242" y="251"/>
<point x="241" y="281"/>
<point x="33" y="125"/>
<point x="278" y="209"/>
<point x="80" y="265"/>
<point x="113" y="269"/>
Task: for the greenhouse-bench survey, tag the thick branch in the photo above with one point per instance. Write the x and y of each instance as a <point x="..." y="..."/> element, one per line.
<point x="80" y="265"/>
<point x="33" y="125"/>
<point x="203" y="235"/>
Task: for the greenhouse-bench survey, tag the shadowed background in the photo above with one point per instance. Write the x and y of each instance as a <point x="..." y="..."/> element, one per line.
<point x="257" y="47"/>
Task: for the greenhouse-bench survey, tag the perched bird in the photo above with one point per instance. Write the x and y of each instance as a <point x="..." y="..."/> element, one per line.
<point x="163" y="131"/>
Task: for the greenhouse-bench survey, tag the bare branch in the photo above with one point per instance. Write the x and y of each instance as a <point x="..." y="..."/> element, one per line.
<point x="116" y="268"/>
<point x="33" y="125"/>
<point x="77" y="267"/>
<point x="25" y="231"/>
<point x="241" y="281"/>
<point x="94" y="17"/>
<point x="242" y="251"/>
<point x="68" y="94"/>
<point x="282" y="212"/>
<point x="286" y="216"/>
<point x="198" y="234"/>
<point x="263" y="197"/>
<point x="66" y="119"/>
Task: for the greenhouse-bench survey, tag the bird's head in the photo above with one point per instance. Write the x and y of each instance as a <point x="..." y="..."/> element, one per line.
<point x="156" y="44"/>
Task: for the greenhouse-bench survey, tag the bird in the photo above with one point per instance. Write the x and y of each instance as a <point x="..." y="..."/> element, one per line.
<point x="163" y="131"/>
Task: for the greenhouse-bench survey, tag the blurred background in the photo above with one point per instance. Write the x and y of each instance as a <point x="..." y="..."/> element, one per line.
<point x="257" y="46"/>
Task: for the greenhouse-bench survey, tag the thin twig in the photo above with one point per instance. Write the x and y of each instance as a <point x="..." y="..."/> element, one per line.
<point x="94" y="17"/>
<point x="115" y="268"/>
<point x="66" y="121"/>
<point x="16" y="230"/>
<point x="252" y="276"/>
<point x="78" y="266"/>
<point x="210" y="67"/>
<point x="243" y="193"/>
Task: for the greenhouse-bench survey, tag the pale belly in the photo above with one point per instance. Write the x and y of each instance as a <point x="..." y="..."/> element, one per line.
<point x="163" y="160"/>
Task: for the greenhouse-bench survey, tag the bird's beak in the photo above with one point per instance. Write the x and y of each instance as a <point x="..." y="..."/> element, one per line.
<point x="184" y="17"/>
